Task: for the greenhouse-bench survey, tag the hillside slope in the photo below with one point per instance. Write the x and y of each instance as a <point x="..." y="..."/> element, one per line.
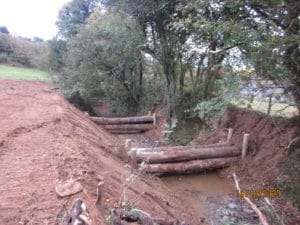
<point x="44" y="140"/>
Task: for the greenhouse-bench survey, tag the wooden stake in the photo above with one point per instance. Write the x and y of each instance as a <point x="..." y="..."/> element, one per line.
<point x="133" y="158"/>
<point x="99" y="193"/>
<point x="261" y="216"/>
<point x="154" y="119"/>
<point x="230" y="132"/>
<point x="245" y="145"/>
<point x="128" y="144"/>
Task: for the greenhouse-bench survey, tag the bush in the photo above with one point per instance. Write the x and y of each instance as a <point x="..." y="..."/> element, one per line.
<point x="206" y="110"/>
<point x="23" y="52"/>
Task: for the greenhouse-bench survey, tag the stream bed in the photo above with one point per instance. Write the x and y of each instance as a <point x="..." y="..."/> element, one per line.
<point x="214" y="198"/>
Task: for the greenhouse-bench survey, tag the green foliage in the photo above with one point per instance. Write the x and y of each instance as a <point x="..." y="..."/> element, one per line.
<point x="186" y="130"/>
<point x="72" y="15"/>
<point x="207" y="110"/>
<point x="200" y="46"/>
<point x="23" y="52"/>
<point x="103" y="60"/>
<point x="58" y="49"/>
<point x="4" y="30"/>
<point x="289" y="180"/>
<point x="6" y="47"/>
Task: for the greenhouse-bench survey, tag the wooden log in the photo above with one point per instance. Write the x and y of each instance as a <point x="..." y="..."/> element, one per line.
<point x="125" y="131"/>
<point x="245" y="145"/>
<point x="122" y="120"/>
<point x="143" y="127"/>
<point x="194" y="166"/>
<point x="180" y="148"/>
<point x="230" y="133"/>
<point x="190" y="154"/>
<point x="128" y="144"/>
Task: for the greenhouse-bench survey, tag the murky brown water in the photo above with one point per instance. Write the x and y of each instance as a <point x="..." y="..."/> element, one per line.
<point x="199" y="189"/>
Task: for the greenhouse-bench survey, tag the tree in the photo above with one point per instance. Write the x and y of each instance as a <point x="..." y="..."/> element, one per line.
<point x="154" y="18"/>
<point x="58" y="49"/>
<point x="274" y="52"/>
<point x="104" y="58"/>
<point x="4" y="30"/>
<point x="74" y="14"/>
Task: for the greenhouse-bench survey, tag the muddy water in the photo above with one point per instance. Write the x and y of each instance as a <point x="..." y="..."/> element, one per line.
<point x="213" y="198"/>
<point x="201" y="191"/>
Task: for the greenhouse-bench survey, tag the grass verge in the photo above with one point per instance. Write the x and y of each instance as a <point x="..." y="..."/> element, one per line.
<point x="19" y="73"/>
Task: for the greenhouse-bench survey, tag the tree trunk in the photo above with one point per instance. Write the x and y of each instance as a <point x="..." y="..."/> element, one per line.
<point x="191" y="154"/>
<point x="122" y="120"/>
<point x="195" y="166"/>
<point x="296" y="95"/>
<point x="142" y="127"/>
<point x="292" y="53"/>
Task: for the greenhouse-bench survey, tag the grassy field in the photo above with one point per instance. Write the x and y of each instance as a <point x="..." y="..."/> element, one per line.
<point x="19" y="73"/>
<point x="277" y="109"/>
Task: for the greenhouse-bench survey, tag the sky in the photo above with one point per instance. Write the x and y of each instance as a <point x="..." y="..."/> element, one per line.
<point x="31" y="18"/>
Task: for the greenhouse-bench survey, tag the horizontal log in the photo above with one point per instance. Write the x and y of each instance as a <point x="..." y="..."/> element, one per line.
<point x="180" y="148"/>
<point x="122" y="120"/>
<point x="142" y="127"/>
<point x="194" y="166"/>
<point x="126" y="131"/>
<point x="190" y="154"/>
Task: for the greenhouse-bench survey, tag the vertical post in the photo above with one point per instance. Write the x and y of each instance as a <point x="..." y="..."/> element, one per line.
<point x="230" y="132"/>
<point x="133" y="158"/>
<point x="245" y="145"/>
<point x="128" y="144"/>
<point x="149" y="113"/>
<point x="269" y="105"/>
<point x="154" y="119"/>
<point x="99" y="193"/>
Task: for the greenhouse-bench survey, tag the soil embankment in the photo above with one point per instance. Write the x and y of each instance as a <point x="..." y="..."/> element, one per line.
<point x="270" y="155"/>
<point x="44" y="140"/>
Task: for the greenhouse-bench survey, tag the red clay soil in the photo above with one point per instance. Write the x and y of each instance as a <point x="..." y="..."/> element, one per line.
<point x="269" y="139"/>
<point x="44" y="140"/>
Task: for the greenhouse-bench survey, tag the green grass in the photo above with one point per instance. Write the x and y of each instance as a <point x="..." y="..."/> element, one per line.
<point x="277" y="109"/>
<point x="19" y="73"/>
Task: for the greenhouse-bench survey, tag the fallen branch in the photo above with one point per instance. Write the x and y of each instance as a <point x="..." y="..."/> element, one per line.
<point x="78" y="214"/>
<point x="59" y="214"/>
<point x="141" y="217"/>
<point x="261" y="216"/>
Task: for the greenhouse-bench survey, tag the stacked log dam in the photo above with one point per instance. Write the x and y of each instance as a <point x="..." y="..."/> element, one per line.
<point x="194" y="166"/>
<point x="123" y="120"/>
<point x="186" y="155"/>
<point x="184" y="159"/>
<point x="126" y="125"/>
<point x="142" y="127"/>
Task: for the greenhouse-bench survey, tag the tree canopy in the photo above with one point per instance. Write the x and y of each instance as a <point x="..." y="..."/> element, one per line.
<point x="197" y="46"/>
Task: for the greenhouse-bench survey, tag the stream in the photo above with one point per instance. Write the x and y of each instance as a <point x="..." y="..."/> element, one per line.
<point x="213" y="197"/>
<point x="215" y="200"/>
